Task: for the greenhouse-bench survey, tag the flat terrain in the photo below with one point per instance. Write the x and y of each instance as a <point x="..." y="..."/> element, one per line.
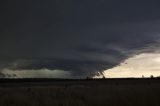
<point x="56" y="92"/>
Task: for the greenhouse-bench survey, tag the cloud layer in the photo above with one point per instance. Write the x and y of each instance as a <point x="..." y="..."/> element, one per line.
<point x="81" y="37"/>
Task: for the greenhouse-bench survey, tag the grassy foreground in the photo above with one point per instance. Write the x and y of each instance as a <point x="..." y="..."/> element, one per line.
<point x="118" y="92"/>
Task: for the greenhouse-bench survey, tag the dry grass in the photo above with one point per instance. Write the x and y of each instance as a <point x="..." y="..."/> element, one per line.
<point x="82" y="95"/>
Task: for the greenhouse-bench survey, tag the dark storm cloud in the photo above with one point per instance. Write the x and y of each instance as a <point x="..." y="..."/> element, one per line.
<point x="81" y="36"/>
<point x="77" y="67"/>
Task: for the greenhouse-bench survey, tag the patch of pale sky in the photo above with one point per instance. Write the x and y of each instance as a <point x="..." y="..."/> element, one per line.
<point x="145" y="64"/>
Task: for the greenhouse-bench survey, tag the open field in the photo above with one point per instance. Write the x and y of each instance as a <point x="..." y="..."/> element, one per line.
<point x="107" y="92"/>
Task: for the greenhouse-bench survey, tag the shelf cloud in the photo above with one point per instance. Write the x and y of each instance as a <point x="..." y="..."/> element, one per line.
<point x="78" y="36"/>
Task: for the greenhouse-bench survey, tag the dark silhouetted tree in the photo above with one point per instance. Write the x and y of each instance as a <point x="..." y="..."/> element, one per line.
<point x="152" y="76"/>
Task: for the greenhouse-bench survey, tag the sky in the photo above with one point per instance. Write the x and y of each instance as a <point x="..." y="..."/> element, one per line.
<point x="77" y="38"/>
<point x="138" y="66"/>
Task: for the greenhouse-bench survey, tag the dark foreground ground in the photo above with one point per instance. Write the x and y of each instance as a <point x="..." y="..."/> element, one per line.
<point x="55" y="92"/>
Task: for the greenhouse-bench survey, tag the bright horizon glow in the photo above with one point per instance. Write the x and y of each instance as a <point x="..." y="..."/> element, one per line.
<point x="41" y="73"/>
<point x="145" y="64"/>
